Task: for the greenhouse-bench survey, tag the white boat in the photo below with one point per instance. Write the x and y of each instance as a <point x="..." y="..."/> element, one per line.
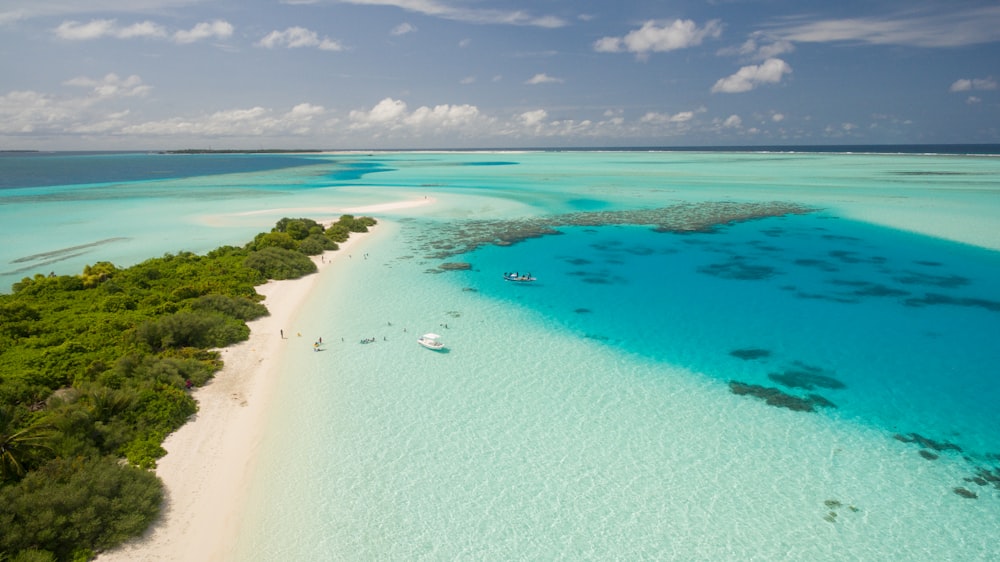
<point x="519" y="278"/>
<point x="431" y="341"/>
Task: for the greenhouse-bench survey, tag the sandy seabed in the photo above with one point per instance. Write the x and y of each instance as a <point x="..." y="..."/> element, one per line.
<point x="210" y="459"/>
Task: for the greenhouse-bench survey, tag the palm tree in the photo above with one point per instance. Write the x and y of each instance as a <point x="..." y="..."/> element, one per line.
<point x="17" y="443"/>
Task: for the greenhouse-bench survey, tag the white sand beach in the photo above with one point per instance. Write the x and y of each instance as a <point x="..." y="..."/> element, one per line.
<point x="211" y="457"/>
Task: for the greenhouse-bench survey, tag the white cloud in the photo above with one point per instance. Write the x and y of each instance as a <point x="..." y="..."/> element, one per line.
<point x="298" y="37"/>
<point x="403" y="29"/>
<point x="943" y="25"/>
<point x="24" y="112"/>
<point x="385" y="111"/>
<point x="446" y="10"/>
<point x="442" y="117"/>
<point x="972" y="100"/>
<point x="749" y="77"/>
<point x="543" y="78"/>
<point x="217" y="29"/>
<point x="967" y="84"/>
<point x="777" y="117"/>
<point x="533" y="118"/>
<point x="467" y="80"/>
<point x="392" y="116"/>
<point x="255" y="121"/>
<point x="112" y="86"/>
<point x="654" y="36"/>
<point x="657" y="118"/>
<point x="759" y="47"/>
<point x="733" y="122"/>
<point x="97" y="29"/>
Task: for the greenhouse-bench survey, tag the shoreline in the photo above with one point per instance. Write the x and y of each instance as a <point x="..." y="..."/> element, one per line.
<point x="210" y="459"/>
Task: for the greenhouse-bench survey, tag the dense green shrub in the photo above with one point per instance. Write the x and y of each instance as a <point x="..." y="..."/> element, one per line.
<point x="191" y="329"/>
<point x="69" y="506"/>
<point x="241" y="308"/>
<point x="280" y="263"/>
<point x="316" y="244"/>
<point x="338" y="233"/>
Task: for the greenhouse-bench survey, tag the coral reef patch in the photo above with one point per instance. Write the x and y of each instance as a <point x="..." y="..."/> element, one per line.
<point x="750" y="354"/>
<point x="779" y="398"/>
<point x="459" y="237"/>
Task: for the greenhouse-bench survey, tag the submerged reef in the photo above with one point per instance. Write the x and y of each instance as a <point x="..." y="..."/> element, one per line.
<point x="750" y="354"/>
<point x="456" y="238"/>
<point x="779" y="398"/>
<point x="927" y="443"/>
<point x="806" y="377"/>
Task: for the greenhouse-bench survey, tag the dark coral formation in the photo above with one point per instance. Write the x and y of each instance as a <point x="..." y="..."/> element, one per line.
<point x="456" y="266"/>
<point x="456" y="238"/>
<point x="778" y="398"/>
<point x="868" y="289"/>
<point x="965" y="493"/>
<point x="928" y="455"/>
<point x="934" y="299"/>
<point x="833" y="506"/>
<point x="738" y="269"/>
<point x="986" y="477"/>
<point x="806" y="377"/>
<point x="750" y="354"/>
<point x="927" y="443"/>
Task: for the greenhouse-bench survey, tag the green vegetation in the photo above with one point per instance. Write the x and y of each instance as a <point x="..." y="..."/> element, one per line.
<point x="94" y="371"/>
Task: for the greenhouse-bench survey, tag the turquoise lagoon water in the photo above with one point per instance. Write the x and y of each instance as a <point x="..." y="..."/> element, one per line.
<point x="589" y="415"/>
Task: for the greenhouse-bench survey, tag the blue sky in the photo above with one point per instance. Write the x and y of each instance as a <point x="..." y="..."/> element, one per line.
<point x="344" y="74"/>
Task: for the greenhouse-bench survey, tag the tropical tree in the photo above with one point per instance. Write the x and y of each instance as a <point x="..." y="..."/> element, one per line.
<point x="17" y="444"/>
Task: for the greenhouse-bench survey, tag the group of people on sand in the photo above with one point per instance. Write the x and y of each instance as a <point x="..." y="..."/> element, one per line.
<point x="369" y="340"/>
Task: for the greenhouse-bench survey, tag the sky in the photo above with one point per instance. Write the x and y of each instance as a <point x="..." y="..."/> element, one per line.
<point x="423" y="74"/>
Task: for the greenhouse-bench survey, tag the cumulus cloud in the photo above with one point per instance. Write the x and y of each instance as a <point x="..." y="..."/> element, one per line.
<point x="97" y="29"/>
<point x="969" y="84"/>
<point x="655" y="36"/>
<point x="733" y="122"/>
<point x="101" y="28"/>
<point x="111" y="85"/>
<point x="459" y="11"/>
<point x="749" y="77"/>
<point x="534" y="117"/>
<point x="392" y="115"/>
<point x="27" y="111"/>
<point x="254" y="121"/>
<point x="298" y="37"/>
<point x="217" y="29"/>
<point x="759" y="47"/>
<point x="543" y="78"/>
<point x="403" y="29"/>
<point x="657" y="118"/>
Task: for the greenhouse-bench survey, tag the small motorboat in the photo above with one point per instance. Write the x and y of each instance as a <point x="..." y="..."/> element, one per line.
<point x="519" y="278"/>
<point x="431" y="341"/>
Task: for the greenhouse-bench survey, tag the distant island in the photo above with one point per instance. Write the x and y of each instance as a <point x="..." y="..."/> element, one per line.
<point x="236" y="151"/>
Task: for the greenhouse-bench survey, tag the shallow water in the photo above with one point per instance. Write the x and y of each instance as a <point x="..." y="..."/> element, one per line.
<point x="590" y="414"/>
<point x="533" y="438"/>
